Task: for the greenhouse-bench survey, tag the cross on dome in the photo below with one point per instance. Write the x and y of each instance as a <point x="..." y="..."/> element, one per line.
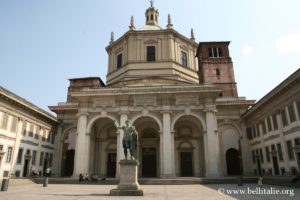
<point x="151" y="3"/>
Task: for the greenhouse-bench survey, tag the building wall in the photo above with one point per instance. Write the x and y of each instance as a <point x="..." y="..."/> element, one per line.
<point x="274" y="130"/>
<point x="23" y="128"/>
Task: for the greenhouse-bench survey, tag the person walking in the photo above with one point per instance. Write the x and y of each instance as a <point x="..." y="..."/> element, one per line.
<point x="260" y="181"/>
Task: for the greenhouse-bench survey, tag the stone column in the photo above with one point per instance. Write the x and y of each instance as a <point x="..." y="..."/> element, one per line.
<point x="212" y="146"/>
<point x="247" y="169"/>
<point x="161" y="172"/>
<point x="120" y="151"/>
<point x="87" y="152"/>
<point x="168" y="155"/>
<point x="80" y="149"/>
<point x="20" y="130"/>
<point x="171" y="47"/>
<point x="57" y="157"/>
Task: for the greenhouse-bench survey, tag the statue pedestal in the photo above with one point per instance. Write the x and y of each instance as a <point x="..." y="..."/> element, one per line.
<point x="128" y="185"/>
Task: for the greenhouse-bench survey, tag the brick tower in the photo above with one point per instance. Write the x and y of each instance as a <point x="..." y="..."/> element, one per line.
<point x="215" y="66"/>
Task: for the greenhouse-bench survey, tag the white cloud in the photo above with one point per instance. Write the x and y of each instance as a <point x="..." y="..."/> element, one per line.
<point x="288" y="43"/>
<point x="247" y="49"/>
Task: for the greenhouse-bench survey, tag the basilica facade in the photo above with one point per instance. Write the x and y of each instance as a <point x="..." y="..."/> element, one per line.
<point x="180" y="95"/>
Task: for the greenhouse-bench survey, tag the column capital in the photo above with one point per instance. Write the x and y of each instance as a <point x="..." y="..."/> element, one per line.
<point x="123" y="112"/>
<point x="82" y="114"/>
<point x="210" y="110"/>
<point x="20" y="119"/>
<point x="166" y="112"/>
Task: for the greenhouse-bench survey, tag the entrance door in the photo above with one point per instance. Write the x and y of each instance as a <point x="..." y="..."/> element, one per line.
<point x="186" y="164"/>
<point x="232" y="162"/>
<point x="25" y="168"/>
<point x="275" y="165"/>
<point x="111" y="164"/>
<point x="149" y="162"/>
<point x="69" y="163"/>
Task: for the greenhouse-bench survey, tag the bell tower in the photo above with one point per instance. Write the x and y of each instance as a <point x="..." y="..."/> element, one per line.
<point x="215" y="66"/>
<point x="152" y="15"/>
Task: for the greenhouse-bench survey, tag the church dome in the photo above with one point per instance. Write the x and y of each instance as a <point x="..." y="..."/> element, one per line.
<point x="150" y="28"/>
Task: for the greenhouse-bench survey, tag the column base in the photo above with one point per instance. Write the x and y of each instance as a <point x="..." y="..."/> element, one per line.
<point x="119" y="192"/>
<point x="128" y="185"/>
<point x="168" y="176"/>
<point x="214" y="176"/>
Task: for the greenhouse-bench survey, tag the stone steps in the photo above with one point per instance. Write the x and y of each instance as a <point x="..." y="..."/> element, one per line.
<point x="150" y="181"/>
<point x="283" y="181"/>
<point x="20" y="181"/>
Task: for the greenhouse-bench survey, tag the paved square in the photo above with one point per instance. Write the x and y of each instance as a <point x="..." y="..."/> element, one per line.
<point x="157" y="192"/>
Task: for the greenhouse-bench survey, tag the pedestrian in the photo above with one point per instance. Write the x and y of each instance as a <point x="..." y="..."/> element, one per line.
<point x="260" y="181"/>
<point x="48" y="171"/>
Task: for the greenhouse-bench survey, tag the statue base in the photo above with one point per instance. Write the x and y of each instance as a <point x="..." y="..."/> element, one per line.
<point x="128" y="185"/>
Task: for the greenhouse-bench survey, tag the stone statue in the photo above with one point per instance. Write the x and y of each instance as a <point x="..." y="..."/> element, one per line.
<point x="129" y="140"/>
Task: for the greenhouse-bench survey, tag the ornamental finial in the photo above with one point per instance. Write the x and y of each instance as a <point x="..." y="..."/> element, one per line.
<point x="192" y="35"/>
<point x="112" y="37"/>
<point x="170" y="25"/>
<point x="131" y="27"/>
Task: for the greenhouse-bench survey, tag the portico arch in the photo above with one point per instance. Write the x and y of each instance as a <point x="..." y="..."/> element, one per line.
<point x="229" y="139"/>
<point x="68" y="141"/>
<point x="103" y="146"/>
<point x="149" y="147"/>
<point x="156" y="119"/>
<point x="198" y="117"/>
<point x="189" y="146"/>
<point x="92" y="121"/>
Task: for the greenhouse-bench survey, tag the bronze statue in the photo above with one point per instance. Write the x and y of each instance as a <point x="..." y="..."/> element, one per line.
<point x="129" y="140"/>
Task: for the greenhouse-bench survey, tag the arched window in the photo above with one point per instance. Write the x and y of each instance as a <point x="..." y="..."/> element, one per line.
<point x="184" y="58"/>
<point x="218" y="73"/>
<point x="150" y="53"/>
<point x="119" y="61"/>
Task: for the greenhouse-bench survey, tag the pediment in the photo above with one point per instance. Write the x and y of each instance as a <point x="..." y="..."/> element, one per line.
<point x="185" y="47"/>
<point x="150" y="41"/>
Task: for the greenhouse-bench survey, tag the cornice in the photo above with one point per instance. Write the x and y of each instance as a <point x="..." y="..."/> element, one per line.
<point x="271" y="137"/>
<point x="290" y="82"/>
<point x="29" y="142"/>
<point x="150" y="32"/>
<point x="205" y="90"/>
<point x="48" y="147"/>
<point x="6" y="137"/>
<point x="10" y="97"/>
<point x="292" y="130"/>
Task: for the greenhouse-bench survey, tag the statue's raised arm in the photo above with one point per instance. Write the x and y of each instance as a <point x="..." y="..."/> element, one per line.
<point x="116" y="125"/>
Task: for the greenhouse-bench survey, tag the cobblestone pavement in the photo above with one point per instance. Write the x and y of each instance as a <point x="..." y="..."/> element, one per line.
<point x="156" y="192"/>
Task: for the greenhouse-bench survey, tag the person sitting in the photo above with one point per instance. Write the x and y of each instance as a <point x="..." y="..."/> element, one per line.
<point x="94" y="178"/>
<point x="296" y="177"/>
<point x="86" y="177"/>
<point x="81" y="178"/>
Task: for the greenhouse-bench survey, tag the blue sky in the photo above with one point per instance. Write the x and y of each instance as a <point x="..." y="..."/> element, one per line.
<point x="43" y="43"/>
